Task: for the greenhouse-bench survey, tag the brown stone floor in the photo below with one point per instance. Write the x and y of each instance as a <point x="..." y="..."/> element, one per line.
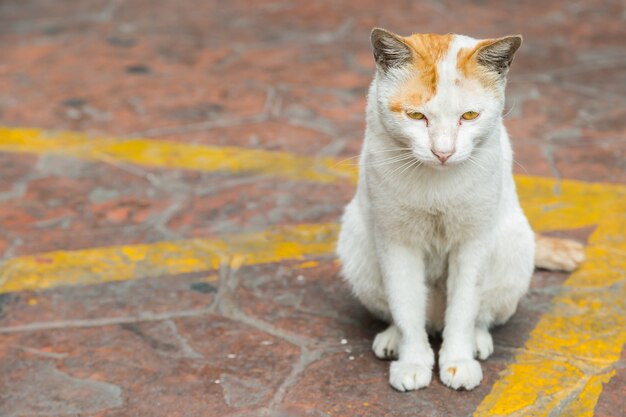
<point x="274" y="75"/>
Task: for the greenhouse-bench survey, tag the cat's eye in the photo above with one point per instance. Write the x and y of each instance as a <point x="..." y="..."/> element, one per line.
<point x="469" y="115"/>
<point x="415" y="115"/>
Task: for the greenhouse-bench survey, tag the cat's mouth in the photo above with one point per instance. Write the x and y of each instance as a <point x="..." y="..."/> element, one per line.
<point x="438" y="163"/>
<point x="443" y="161"/>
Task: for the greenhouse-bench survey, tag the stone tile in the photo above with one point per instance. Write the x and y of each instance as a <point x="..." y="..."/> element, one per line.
<point x="236" y="205"/>
<point x="167" y="368"/>
<point x="337" y="385"/>
<point x="530" y="158"/>
<point x="547" y="111"/>
<point x="13" y="171"/>
<point x="38" y="387"/>
<point x="310" y="301"/>
<point x="603" y="163"/>
<point x="271" y="135"/>
<point x="612" y="402"/>
<point x="118" y="301"/>
<point x="31" y="10"/>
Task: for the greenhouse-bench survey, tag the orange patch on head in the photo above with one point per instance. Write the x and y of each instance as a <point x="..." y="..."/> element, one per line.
<point x="428" y="49"/>
<point x="488" y="61"/>
<point x="468" y="65"/>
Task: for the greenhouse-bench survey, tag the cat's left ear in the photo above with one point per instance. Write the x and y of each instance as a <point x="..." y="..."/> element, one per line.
<point x="497" y="54"/>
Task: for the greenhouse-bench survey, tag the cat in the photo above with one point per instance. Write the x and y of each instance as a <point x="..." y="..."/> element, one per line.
<point x="434" y="239"/>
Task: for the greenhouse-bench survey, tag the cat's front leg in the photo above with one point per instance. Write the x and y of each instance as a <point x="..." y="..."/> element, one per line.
<point x="457" y="367"/>
<point x="403" y="273"/>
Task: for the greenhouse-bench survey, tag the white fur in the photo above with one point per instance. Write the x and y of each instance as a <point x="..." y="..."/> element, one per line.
<point x="432" y="247"/>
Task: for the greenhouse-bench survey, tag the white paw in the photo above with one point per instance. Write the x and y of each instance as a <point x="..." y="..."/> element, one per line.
<point x="461" y="373"/>
<point x="483" y="344"/>
<point x="386" y="343"/>
<point x="406" y="376"/>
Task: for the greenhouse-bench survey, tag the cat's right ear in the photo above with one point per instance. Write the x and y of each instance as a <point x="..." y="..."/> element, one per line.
<point x="390" y="51"/>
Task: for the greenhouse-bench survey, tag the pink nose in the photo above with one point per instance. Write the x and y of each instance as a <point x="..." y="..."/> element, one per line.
<point x="442" y="156"/>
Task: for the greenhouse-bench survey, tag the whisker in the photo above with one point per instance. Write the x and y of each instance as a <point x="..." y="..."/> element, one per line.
<point x="476" y="163"/>
<point x="384" y="162"/>
<point x="390" y="171"/>
<point x="395" y="170"/>
<point x="521" y="166"/>
<point x="413" y="164"/>
<point x="394" y="158"/>
<point x="510" y="110"/>
<point x="373" y="152"/>
<point x="347" y="159"/>
<point x="389" y="150"/>
<point x="391" y="159"/>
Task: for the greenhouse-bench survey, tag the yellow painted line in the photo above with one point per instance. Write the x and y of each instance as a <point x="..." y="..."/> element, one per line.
<point x="585" y="402"/>
<point x="99" y="265"/>
<point x="174" y="155"/>
<point x="571" y="351"/>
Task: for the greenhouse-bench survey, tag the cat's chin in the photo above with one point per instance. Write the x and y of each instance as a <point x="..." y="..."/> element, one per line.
<point x="438" y="166"/>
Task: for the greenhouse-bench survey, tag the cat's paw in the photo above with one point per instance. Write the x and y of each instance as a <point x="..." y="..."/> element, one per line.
<point x="461" y="373"/>
<point x="483" y="344"/>
<point x="407" y="376"/>
<point x="386" y="343"/>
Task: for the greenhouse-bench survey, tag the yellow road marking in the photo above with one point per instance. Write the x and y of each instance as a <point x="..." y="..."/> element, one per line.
<point x="308" y="264"/>
<point x="94" y="266"/>
<point x="173" y="155"/>
<point x="118" y="263"/>
<point x="585" y="402"/>
<point x="571" y="351"/>
<point x="569" y="354"/>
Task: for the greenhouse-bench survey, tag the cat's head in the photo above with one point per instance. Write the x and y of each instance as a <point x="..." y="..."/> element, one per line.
<point x="441" y="95"/>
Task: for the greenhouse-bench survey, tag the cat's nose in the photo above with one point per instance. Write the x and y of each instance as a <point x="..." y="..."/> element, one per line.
<point x="442" y="156"/>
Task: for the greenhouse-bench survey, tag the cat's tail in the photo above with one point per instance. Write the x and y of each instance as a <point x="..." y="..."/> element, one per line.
<point x="558" y="254"/>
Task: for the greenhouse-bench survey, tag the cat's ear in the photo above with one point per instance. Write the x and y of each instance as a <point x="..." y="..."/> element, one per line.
<point x="497" y="54"/>
<point x="390" y="51"/>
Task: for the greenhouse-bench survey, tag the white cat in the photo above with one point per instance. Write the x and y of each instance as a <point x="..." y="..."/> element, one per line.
<point x="435" y="239"/>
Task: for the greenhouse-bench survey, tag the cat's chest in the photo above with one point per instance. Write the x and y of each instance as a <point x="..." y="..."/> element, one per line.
<point x="434" y="213"/>
<point x="436" y="227"/>
<point x="435" y="224"/>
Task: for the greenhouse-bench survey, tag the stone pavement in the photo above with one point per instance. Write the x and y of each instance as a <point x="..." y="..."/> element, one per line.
<point x="171" y="181"/>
